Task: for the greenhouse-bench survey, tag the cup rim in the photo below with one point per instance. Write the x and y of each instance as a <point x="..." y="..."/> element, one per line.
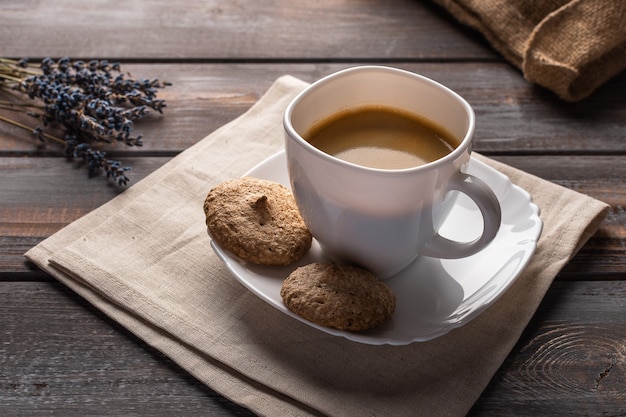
<point x="464" y="145"/>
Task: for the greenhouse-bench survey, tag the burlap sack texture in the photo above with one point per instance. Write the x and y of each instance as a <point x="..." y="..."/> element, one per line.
<point x="568" y="46"/>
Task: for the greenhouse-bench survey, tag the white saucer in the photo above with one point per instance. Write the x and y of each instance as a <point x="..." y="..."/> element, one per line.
<point x="433" y="296"/>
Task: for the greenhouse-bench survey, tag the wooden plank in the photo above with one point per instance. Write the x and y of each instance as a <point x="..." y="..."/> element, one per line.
<point x="218" y="30"/>
<point x="571" y="360"/>
<point x="602" y="258"/>
<point x="28" y="217"/>
<point x="513" y="117"/>
<point x="59" y="355"/>
<point x="601" y="177"/>
<point x="68" y="358"/>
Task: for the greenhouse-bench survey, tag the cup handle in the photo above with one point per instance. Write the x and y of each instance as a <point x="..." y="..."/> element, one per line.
<point x="487" y="202"/>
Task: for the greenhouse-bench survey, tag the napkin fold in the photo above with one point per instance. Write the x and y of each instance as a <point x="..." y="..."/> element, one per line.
<point x="144" y="259"/>
<point x="568" y="46"/>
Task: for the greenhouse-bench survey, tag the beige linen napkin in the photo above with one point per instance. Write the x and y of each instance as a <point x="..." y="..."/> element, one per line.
<point x="568" y="46"/>
<point x="145" y="259"/>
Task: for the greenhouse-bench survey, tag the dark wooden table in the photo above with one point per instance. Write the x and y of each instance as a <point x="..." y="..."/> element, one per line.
<point x="60" y="356"/>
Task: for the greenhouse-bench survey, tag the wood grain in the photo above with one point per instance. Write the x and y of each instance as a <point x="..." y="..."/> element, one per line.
<point x="26" y="218"/>
<point x="575" y="348"/>
<point x="512" y="117"/>
<point x="69" y="360"/>
<point x="73" y="360"/>
<point x="234" y="30"/>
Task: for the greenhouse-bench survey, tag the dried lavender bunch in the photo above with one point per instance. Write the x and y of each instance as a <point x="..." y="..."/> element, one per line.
<point x="93" y="102"/>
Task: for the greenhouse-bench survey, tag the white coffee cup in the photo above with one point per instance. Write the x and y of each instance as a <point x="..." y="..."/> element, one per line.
<point x="383" y="219"/>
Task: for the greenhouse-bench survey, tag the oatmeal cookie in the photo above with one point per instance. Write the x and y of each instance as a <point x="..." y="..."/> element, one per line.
<point x="344" y="297"/>
<point x="257" y="220"/>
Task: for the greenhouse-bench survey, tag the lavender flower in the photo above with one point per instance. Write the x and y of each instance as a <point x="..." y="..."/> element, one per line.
<point x="94" y="102"/>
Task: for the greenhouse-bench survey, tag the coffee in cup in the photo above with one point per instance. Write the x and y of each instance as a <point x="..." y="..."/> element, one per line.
<point x="381" y="137"/>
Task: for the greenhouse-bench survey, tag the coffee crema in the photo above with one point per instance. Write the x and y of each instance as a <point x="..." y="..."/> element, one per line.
<point x="382" y="137"/>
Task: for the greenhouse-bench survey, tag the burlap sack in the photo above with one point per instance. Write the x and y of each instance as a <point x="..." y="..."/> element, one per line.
<point x="568" y="46"/>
